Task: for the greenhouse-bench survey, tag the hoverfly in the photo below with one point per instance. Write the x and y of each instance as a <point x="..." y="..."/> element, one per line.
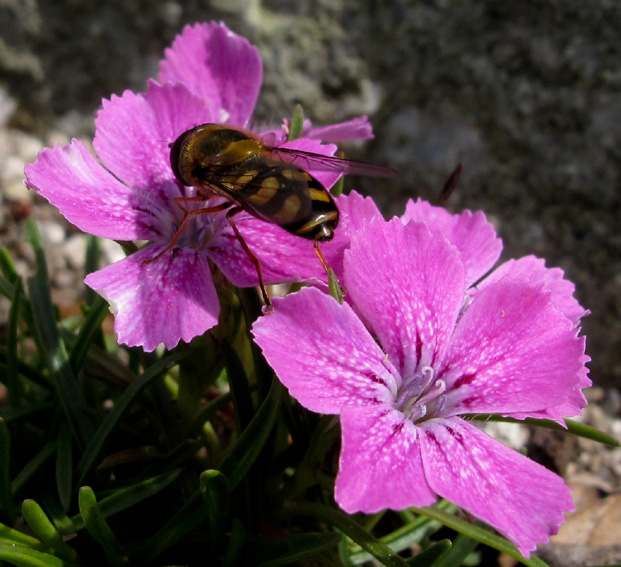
<point x="270" y="183"/>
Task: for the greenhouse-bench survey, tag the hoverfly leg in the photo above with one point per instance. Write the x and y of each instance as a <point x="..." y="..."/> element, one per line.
<point x="188" y="216"/>
<point x="321" y="258"/>
<point x="253" y="258"/>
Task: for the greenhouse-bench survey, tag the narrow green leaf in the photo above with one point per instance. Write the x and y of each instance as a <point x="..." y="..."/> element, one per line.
<point x="206" y="415"/>
<point x="183" y="522"/>
<point x="15" y="537"/>
<point x="127" y="497"/>
<point x="344" y="553"/>
<point x="7" y="506"/>
<point x="479" y="534"/>
<point x="236" y="545"/>
<point x="45" y="530"/>
<point x="53" y="348"/>
<point x="7" y="266"/>
<point x="98" y="527"/>
<point x="244" y="453"/>
<point x="297" y="548"/>
<point x="239" y="387"/>
<point x="64" y="466"/>
<point x="25" y="412"/>
<point x="13" y="383"/>
<point x="34" y="465"/>
<point x="431" y="555"/>
<point x="128" y="246"/>
<point x="91" y="263"/>
<point x="90" y="328"/>
<point x="103" y="366"/>
<point x="335" y="288"/>
<point x="96" y="444"/>
<point x="337" y="188"/>
<point x="215" y="492"/>
<point x="461" y="547"/>
<point x="586" y="431"/>
<point x="414" y="531"/>
<point x="296" y="125"/>
<point x="27" y="372"/>
<point x="573" y="427"/>
<point x="21" y="556"/>
<point x="352" y="530"/>
<point x="63" y="523"/>
<point x="6" y="288"/>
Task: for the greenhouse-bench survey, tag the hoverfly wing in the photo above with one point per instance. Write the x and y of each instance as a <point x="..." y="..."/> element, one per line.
<point x="279" y="193"/>
<point x="309" y="161"/>
<point x="272" y="190"/>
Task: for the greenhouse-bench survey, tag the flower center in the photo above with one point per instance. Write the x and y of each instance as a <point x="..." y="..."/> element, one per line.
<point x="422" y="395"/>
<point x="199" y="228"/>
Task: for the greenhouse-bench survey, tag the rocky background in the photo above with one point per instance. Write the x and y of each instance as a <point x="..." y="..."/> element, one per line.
<point x="526" y="94"/>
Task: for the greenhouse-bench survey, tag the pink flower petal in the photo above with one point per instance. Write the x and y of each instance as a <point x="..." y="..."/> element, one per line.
<point x="522" y="500"/>
<point x="512" y="352"/>
<point x="86" y="194"/>
<point x="335" y="361"/>
<point x="356" y="129"/>
<point x="133" y="133"/>
<point x="473" y="234"/>
<point x="409" y="284"/>
<point x="552" y="278"/>
<point x="219" y="66"/>
<point x="170" y="299"/>
<point x="380" y="465"/>
<point x="573" y="406"/>
<point x="355" y="210"/>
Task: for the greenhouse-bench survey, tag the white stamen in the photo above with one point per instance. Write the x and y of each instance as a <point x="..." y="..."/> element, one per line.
<point x="421" y="395"/>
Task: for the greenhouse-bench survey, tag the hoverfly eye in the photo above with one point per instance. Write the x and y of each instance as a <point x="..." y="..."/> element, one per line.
<point x="176" y="162"/>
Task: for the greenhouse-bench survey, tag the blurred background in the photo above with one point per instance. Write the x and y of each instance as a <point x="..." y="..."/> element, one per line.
<point x="527" y="95"/>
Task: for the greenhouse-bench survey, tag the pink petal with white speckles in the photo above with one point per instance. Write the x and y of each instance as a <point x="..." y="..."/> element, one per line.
<point x="356" y="129"/>
<point x="323" y="354"/>
<point x="512" y="352"/>
<point x="380" y="466"/>
<point x="472" y="233"/>
<point x="409" y="286"/>
<point x="170" y="299"/>
<point x="571" y="407"/>
<point x="355" y="210"/>
<point x="133" y="133"/>
<point x="536" y="271"/>
<point x="86" y="194"/>
<point x="522" y="500"/>
<point x="219" y="66"/>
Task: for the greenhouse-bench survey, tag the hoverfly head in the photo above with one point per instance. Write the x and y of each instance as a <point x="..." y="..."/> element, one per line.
<point x="215" y="146"/>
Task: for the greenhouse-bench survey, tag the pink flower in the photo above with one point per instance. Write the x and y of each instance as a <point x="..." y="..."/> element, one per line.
<point x="415" y="349"/>
<point x="127" y="192"/>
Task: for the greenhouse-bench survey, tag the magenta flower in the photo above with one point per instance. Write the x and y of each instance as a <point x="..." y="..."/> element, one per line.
<point x="416" y="350"/>
<point x="126" y="193"/>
